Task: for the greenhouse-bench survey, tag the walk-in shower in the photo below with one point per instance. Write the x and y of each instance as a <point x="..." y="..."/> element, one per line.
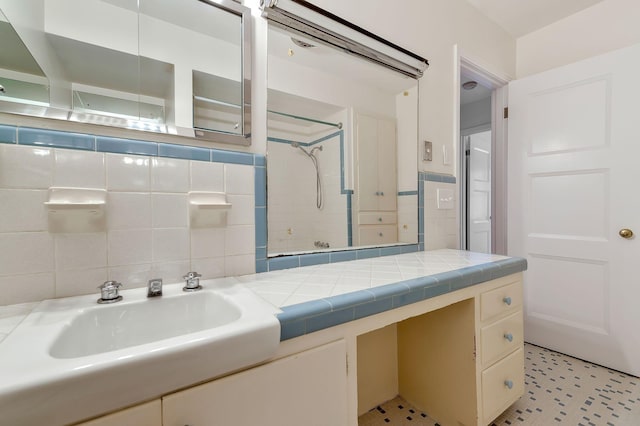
<point x="311" y="154"/>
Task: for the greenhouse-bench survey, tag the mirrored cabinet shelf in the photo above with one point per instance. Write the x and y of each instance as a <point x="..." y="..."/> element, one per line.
<point x="136" y="64"/>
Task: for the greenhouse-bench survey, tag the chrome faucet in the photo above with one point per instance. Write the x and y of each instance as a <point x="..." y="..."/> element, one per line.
<point x="109" y="292"/>
<point x="192" y="282"/>
<point x="154" y="287"/>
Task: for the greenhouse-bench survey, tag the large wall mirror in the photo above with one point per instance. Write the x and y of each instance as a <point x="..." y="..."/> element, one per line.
<point x="157" y="65"/>
<point x="341" y="149"/>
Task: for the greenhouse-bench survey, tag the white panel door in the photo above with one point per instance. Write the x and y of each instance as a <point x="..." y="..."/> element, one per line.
<point x="480" y="192"/>
<point x="573" y="168"/>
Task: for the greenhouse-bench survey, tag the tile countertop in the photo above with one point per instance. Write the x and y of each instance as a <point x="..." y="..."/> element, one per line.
<point x="316" y="297"/>
<point x="322" y="296"/>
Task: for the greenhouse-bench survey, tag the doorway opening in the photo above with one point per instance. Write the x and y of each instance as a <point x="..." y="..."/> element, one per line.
<point x="482" y="134"/>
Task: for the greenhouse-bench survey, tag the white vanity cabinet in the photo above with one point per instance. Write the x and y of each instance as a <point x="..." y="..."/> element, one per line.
<point x="308" y="388"/>
<point x="376" y="181"/>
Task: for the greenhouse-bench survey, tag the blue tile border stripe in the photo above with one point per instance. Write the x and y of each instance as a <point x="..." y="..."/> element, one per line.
<point x="303" y="318"/>
<point x="87" y="142"/>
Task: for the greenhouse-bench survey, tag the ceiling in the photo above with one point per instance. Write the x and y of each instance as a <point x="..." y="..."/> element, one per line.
<point x="520" y="17"/>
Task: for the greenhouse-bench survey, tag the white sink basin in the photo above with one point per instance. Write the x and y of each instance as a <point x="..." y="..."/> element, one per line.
<point x="72" y="358"/>
<point x="122" y="325"/>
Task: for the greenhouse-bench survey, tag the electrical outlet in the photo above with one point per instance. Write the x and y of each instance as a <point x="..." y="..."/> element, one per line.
<point x="427" y="154"/>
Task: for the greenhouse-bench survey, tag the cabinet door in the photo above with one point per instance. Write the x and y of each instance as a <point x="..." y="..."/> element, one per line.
<point x="387" y="174"/>
<point x="309" y="388"/>
<point x="149" y="414"/>
<point x="367" y="145"/>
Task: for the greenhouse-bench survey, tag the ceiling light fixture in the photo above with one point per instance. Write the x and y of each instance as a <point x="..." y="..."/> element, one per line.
<point x="469" y="85"/>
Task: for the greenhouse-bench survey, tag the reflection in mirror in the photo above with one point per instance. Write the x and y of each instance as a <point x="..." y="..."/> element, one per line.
<point x="154" y="65"/>
<point x="21" y="78"/>
<point x="338" y="127"/>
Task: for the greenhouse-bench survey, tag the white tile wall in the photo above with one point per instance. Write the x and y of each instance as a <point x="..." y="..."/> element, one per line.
<point x="147" y="236"/>
<point x="440" y="225"/>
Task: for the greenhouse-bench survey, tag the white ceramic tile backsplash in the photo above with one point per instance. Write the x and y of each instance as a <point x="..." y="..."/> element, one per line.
<point x="25" y="167"/>
<point x="238" y="179"/>
<point x="207" y="176"/>
<point x="169" y="175"/>
<point x="21" y="210"/>
<point x="441" y="225"/>
<point x="80" y="251"/>
<point x="170" y="210"/>
<point x="128" y="210"/>
<point x="79" y="169"/>
<point x="128" y="173"/>
<point x="147" y="235"/>
<point x="27" y="288"/>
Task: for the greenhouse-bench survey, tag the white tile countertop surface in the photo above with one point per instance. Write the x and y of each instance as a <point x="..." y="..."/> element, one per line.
<point x="298" y="285"/>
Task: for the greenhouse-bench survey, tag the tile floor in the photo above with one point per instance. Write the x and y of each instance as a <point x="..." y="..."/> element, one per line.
<point x="558" y="389"/>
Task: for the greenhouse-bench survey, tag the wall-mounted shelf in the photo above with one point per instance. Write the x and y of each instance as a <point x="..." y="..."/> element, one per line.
<point x="208" y="209"/>
<point x="76" y="209"/>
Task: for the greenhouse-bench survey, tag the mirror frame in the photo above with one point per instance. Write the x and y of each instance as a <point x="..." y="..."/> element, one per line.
<point x="243" y="138"/>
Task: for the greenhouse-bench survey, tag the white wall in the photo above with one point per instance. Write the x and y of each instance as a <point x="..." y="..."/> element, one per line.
<point x="475" y="114"/>
<point x="606" y="26"/>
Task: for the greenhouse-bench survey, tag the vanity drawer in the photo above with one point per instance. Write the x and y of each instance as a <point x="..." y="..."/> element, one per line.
<point x="500" y="300"/>
<point x="502" y="385"/>
<point x="378" y="234"/>
<point x="377" y="218"/>
<point x="501" y="337"/>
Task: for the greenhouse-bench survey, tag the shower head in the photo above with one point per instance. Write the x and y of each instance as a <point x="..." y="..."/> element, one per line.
<point x="317" y="148"/>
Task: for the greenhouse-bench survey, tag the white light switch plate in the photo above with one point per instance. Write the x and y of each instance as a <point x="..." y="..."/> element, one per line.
<point x="445" y="199"/>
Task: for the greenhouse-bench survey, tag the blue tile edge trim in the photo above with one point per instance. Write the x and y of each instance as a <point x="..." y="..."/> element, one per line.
<point x="436" y="177"/>
<point x="405" y="193"/>
<point x="87" y="142"/>
<point x="303" y="318"/>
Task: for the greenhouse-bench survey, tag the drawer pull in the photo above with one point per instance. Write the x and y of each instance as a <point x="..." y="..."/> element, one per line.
<point x="509" y="384"/>
<point x="507" y="301"/>
<point x="508" y="336"/>
<point x="377" y="192"/>
<point x="381" y="234"/>
<point x="379" y="219"/>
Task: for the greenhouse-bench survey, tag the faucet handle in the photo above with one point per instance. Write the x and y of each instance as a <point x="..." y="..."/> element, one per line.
<point x="109" y="292"/>
<point x="192" y="281"/>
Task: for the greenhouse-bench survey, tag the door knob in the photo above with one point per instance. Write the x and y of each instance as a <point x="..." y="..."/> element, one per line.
<point x="626" y="233"/>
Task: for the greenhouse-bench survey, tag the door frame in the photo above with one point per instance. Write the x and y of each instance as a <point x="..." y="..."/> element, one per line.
<point x="465" y="63"/>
